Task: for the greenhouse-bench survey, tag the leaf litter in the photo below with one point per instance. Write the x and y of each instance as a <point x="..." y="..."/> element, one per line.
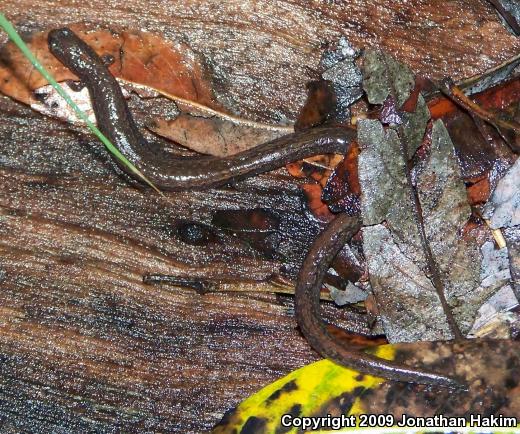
<point x="400" y="270"/>
<point x="475" y="274"/>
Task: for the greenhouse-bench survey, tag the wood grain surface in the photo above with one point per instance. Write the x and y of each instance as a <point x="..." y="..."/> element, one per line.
<point x="85" y="346"/>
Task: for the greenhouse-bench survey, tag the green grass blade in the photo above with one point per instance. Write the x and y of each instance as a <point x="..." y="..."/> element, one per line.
<point x="15" y="37"/>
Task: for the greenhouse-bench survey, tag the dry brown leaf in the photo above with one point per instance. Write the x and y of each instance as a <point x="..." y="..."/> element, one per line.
<point x="139" y="57"/>
<point x="215" y="136"/>
<point x="320" y="105"/>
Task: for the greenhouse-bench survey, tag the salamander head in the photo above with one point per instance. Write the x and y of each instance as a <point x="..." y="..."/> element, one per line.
<point x="72" y="51"/>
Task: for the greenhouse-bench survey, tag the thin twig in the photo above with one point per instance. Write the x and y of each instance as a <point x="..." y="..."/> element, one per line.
<point x="455" y="94"/>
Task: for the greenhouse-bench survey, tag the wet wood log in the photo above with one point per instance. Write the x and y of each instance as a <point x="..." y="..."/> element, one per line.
<point x="84" y="344"/>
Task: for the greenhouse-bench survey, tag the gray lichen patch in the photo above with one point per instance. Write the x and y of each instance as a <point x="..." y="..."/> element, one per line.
<point x="445" y="212"/>
<point x="385" y="193"/>
<point x="351" y="294"/>
<point x="512" y="236"/>
<point x="503" y="212"/>
<point x="493" y="317"/>
<point x="398" y="273"/>
<point x="383" y="76"/>
<point x="408" y="303"/>
<point x="503" y="209"/>
<point x="415" y="223"/>
<point x="394" y="254"/>
<point x="495" y="270"/>
<point x="414" y="126"/>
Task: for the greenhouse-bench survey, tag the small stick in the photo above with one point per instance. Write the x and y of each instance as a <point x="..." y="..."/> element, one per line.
<point x="455" y="94"/>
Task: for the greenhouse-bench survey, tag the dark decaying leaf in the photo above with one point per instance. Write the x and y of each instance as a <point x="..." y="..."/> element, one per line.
<point x="341" y="70"/>
<point x="479" y="150"/>
<point x="487" y="367"/>
<point x="341" y="193"/>
<point x="329" y="101"/>
<point x="348" y="266"/>
<point x="317" y="169"/>
<point x="319" y="107"/>
<point x="483" y="154"/>
<point x="256" y="228"/>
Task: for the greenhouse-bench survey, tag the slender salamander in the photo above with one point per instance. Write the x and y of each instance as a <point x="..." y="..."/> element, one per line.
<point x="182" y="173"/>
<point x="307" y="305"/>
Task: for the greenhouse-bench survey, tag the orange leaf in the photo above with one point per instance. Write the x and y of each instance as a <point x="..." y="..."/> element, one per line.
<point x="138" y="57"/>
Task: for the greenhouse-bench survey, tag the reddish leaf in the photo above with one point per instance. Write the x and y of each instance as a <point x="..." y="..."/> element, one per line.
<point x="138" y="57"/>
<point x="317" y="207"/>
<point x="317" y="168"/>
<point x="342" y="190"/>
<point x="257" y="228"/>
<point x="319" y="107"/>
<point x="355" y="340"/>
<point x="479" y="191"/>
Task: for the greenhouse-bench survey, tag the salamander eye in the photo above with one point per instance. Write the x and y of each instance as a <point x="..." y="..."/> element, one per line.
<point x="63" y="32"/>
<point x="53" y="45"/>
<point x="57" y="36"/>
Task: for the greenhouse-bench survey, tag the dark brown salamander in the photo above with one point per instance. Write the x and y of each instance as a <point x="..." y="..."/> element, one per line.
<point x="307" y="304"/>
<point x="115" y="121"/>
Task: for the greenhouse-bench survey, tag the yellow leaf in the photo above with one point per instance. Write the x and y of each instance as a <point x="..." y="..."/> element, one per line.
<point x="304" y="392"/>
